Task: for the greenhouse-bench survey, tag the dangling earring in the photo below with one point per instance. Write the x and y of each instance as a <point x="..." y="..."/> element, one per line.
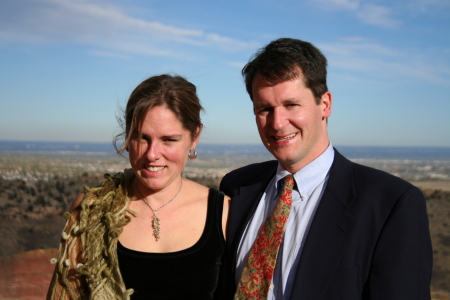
<point x="192" y="155"/>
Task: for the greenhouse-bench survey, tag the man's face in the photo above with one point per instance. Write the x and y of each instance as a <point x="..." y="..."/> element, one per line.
<point x="291" y="125"/>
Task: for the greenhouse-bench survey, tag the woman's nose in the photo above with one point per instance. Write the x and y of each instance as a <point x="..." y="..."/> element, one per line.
<point x="153" y="152"/>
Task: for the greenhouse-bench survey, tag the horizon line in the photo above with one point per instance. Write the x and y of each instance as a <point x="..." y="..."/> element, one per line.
<point x="212" y="143"/>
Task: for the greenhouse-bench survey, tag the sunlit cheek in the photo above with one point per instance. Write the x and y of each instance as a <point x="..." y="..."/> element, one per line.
<point x="261" y="123"/>
<point x="169" y="152"/>
<point x="177" y="153"/>
<point x="298" y="120"/>
<point x="263" y="132"/>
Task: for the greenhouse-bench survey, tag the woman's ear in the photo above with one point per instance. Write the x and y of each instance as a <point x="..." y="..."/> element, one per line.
<point x="196" y="138"/>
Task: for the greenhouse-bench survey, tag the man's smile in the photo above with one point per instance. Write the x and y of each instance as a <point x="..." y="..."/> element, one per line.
<point x="285" y="137"/>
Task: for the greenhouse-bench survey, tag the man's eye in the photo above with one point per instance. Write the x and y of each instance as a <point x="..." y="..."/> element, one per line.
<point x="264" y="111"/>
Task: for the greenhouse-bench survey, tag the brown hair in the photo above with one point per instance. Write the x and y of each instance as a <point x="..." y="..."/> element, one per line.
<point x="287" y="59"/>
<point x="171" y="91"/>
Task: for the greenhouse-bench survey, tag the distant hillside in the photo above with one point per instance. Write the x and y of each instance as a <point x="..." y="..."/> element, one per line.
<point x="31" y="212"/>
<point x="31" y="217"/>
<point x="438" y="206"/>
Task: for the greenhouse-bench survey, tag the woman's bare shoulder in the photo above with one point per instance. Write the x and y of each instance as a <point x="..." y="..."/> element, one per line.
<point x="77" y="201"/>
<point x="197" y="189"/>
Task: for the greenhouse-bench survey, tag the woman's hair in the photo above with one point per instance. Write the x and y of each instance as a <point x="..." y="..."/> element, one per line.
<point x="171" y="91"/>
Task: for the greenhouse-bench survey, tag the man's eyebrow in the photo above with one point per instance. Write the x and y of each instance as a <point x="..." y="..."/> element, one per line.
<point x="261" y="105"/>
<point x="265" y="104"/>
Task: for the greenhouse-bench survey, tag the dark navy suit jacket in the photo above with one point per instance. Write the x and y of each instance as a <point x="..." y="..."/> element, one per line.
<point x="369" y="238"/>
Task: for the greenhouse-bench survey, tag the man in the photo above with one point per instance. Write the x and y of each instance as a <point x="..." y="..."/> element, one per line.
<point x="353" y="232"/>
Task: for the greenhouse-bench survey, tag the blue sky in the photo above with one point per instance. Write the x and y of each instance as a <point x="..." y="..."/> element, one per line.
<point x="67" y="66"/>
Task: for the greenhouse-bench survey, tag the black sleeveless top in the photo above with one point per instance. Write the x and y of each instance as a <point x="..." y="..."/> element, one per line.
<point x="191" y="273"/>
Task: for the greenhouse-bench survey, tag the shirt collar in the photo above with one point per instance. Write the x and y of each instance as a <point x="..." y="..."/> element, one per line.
<point x="309" y="177"/>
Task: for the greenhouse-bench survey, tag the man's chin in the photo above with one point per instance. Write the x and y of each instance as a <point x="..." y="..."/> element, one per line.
<point x="285" y="160"/>
<point x="283" y="154"/>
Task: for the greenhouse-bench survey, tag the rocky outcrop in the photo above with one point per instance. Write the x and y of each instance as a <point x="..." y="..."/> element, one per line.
<point x="26" y="275"/>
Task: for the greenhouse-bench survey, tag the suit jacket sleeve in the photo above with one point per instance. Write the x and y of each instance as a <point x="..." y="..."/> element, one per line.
<point x="402" y="259"/>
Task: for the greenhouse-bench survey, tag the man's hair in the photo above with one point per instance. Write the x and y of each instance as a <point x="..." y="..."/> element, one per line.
<point x="287" y="59"/>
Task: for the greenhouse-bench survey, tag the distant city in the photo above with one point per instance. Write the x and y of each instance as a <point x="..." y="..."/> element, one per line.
<point x="31" y="161"/>
<point x="351" y="152"/>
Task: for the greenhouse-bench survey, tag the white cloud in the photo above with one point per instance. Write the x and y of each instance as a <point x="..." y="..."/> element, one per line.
<point x="353" y="39"/>
<point x="371" y="60"/>
<point x="109" y="54"/>
<point x="424" y="6"/>
<point x="350" y="49"/>
<point x="237" y="64"/>
<point x="377" y="15"/>
<point x="386" y="14"/>
<point x="367" y="13"/>
<point x="100" y="24"/>
<point x="340" y="4"/>
<point x="228" y="43"/>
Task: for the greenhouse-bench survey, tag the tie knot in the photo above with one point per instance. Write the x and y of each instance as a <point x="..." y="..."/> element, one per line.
<point x="289" y="182"/>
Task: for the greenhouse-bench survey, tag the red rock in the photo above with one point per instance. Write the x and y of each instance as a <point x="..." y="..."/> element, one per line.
<point x="26" y="275"/>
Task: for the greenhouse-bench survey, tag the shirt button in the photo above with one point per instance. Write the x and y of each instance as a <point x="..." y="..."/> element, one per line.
<point x="271" y="286"/>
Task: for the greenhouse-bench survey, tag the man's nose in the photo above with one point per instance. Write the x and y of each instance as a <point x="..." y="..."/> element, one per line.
<point x="279" y="119"/>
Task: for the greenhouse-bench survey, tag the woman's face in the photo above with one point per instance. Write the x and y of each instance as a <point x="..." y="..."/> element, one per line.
<point x="159" y="154"/>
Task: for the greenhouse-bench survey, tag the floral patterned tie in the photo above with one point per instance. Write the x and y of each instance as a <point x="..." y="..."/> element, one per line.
<point x="258" y="271"/>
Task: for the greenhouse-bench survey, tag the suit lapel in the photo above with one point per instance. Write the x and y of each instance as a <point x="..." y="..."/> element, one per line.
<point x="244" y="205"/>
<point x="327" y="237"/>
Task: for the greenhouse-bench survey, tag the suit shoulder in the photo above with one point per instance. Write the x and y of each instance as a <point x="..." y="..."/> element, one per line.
<point x="365" y="176"/>
<point x="242" y="174"/>
<point x="370" y="172"/>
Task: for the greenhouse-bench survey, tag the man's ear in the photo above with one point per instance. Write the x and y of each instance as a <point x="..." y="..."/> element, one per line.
<point x="326" y="102"/>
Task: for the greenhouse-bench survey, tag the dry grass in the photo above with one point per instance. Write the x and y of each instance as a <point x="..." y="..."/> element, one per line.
<point x="433" y="185"/>
<point x="439" y="295"/>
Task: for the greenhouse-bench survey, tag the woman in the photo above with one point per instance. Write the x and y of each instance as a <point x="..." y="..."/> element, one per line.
<point x="147" y="233"/>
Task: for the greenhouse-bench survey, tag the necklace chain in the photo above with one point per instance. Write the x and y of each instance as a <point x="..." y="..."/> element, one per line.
<point x="155" y="219"/>
<point x="155" y="210"/>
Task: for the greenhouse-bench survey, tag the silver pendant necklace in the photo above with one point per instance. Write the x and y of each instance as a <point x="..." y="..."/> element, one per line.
<point x="155" y="219"/>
